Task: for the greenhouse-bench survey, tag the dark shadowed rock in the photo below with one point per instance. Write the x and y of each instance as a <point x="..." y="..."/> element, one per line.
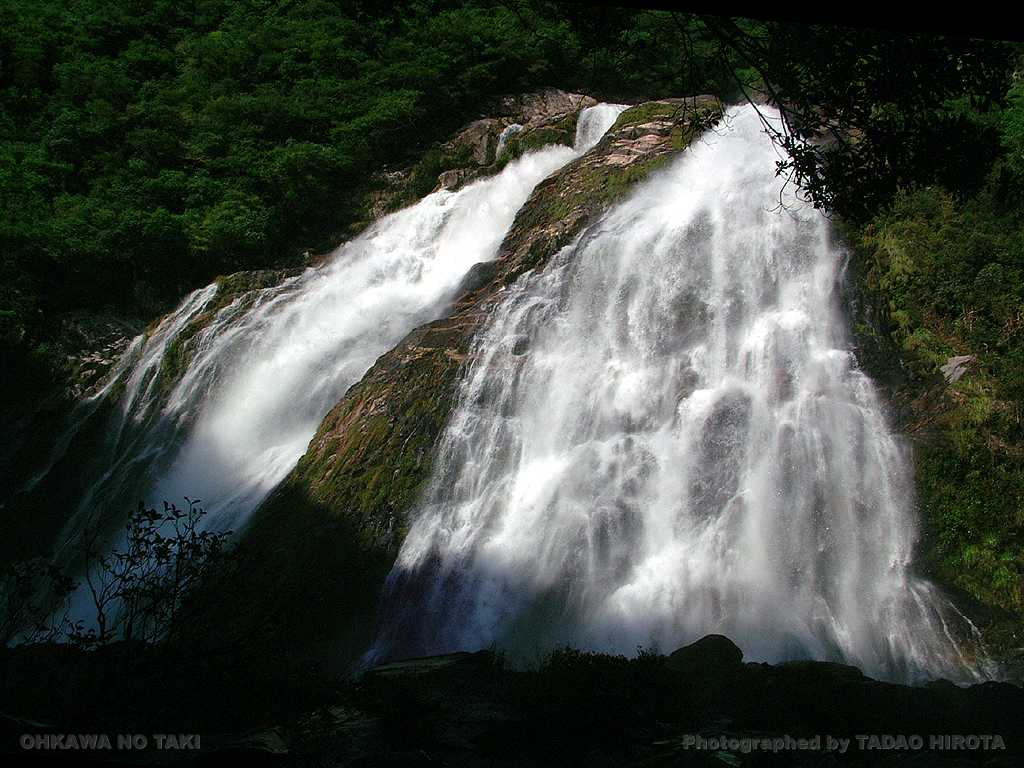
<point x="426" y="665"/>
<point x="477" y="277"/>
<point x="821" y="671"/>
<point x="473" y="709"/>
<point x="712" y="654"/>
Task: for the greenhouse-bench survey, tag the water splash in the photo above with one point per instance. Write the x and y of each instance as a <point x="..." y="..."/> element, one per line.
<point x="665" y="434"/>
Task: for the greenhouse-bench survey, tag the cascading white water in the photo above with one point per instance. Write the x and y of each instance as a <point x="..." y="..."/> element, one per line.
<point x="265" y="369"/>
<point x="665" y="434"/>
<point x="593" y="123"/>
<point x="508" y="131"/>
<point x="261" y="383"/>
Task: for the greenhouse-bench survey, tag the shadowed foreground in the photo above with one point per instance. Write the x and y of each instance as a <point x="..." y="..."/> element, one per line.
<point x="571" y="708"/>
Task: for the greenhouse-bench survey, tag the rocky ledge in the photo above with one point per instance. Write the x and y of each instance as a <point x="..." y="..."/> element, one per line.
<point x="525" y="121"/>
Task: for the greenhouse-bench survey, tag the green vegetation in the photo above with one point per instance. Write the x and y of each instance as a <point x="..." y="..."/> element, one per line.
<point x="870" y="112"/>
<point x="643" y="113"/>
<point x="146" y="634"/>
<point x="944" y="271"/>
<point x="432" y="164"/>
<point x="146" y="147"/>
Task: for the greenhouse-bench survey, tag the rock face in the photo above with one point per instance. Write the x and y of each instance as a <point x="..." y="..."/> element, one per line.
<point x="540" y="106"/>
<point x="341" y="512"/>
<point x="88" y="345"/>
<point x="956" y="367"/>
<point x="480" y="138"/>
<point x="481" y="142"/>
<point x="95" y="344"/>
<point x="544" y="117"/>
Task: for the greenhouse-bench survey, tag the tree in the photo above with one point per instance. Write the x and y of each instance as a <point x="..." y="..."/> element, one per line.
<point x="866" y="113"/>
<point x="137" y="590"/>
<point x="28" y="590"/>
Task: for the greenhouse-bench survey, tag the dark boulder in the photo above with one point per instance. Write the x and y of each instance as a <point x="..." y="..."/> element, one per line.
<point x="711" y="655"/>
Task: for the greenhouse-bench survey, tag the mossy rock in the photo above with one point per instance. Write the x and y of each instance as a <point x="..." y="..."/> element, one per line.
<point x="561" y="131"/>
<point x="646" y="112"/>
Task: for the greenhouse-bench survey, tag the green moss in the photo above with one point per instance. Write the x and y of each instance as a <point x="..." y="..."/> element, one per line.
<point x="531" y="139"/>
<point x="644" y="113"/>
<point x="682" y="136"/>
<point x="377" y="464"/>
<point x="173" y="363"/>
<point x="622" y="178"/>
<point x="598" y="187"/>
<point x="543" y="137"/>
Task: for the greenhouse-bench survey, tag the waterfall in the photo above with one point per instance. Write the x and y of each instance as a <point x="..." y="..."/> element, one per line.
<point x="594" y="122"/>
<point x="507" y="132"/>
<point x="264" y="370"/>
<point x="665" y="434"/>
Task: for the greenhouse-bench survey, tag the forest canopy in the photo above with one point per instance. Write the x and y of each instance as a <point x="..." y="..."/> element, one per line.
<point x="149" y="146"/>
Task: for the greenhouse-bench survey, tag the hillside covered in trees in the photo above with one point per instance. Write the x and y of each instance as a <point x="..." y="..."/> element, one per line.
<point x="148" y="149"/>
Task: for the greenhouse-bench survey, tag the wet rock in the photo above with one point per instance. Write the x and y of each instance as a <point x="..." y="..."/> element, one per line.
<point x="452" y="179"/>
<point x="478" y="276"/>
<point x="427" y="665"/>
<point x="93" y="344"/>
<point x="521" y="345"/>
<point x="821" y="671"/>
<point x="689" y="382"/>
<point x="541" y="105"/>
